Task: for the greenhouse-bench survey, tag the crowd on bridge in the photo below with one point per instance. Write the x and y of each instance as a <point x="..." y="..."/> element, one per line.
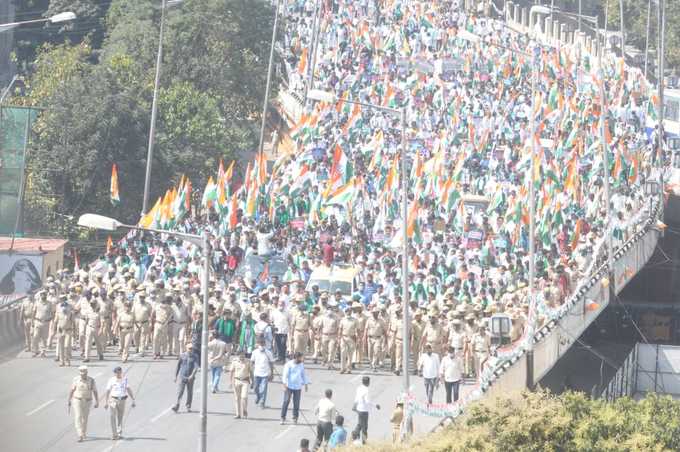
<point x="477" y="112"/>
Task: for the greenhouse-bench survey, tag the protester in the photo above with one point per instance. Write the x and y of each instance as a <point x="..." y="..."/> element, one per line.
<point x="263" y="371"/>
<point x="293" y="378"/>
<point x="187" y="366"/>
<point x="325" y="412"/>
<point x="428" y="367"/>
<point x="362" y="406"/>
<point x="339" y="435"/>
<point x="450" y="372"/>
<point x="217" y="359"/>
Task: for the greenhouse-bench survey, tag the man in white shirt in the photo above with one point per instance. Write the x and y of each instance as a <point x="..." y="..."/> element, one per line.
<point x="325" y="412"/>
<point x="263" y="371"/>
<point x="281" y="321"/>
<point x="451" y="372"/>
<point x="362" y="405"/>
<point x="117" y="392"/>
<point x="428" y="367"/>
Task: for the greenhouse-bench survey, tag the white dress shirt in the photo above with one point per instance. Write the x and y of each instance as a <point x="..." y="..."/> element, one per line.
<point x="325" y="410"/>
<point x="261" y="359"/>
<point x="451" y="369"/>
<point x="362" y="400"/>
<point x="281" y="321"/>
<point x="117" y="387"/>
<point x="429" y="365"/>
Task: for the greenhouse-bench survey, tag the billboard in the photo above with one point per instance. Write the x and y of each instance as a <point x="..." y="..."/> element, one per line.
<point x="19" y="274"/>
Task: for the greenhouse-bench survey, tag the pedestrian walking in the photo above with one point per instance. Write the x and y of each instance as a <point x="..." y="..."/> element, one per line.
<point x="293" y="378"/>
<point x="83" y="392"/>
<point x="339" y="435"/>
<point x="451" y="372"/>
<point x="187" y="365"/>
<point x="217" y="351"/>
<point x="325" y="413"/>
<point x="262" y="360"/>
<point x="240" y="381"/>
<point x="362" y="406"/>
<point x="281" y="320"/>
<point x="428" y="367"/>
<point x="117" y="392"/>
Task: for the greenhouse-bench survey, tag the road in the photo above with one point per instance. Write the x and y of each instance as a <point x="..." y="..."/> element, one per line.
<point x="34" y="418"/>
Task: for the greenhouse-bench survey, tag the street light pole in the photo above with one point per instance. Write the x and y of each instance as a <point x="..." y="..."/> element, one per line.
<point x="269" y="76"/>
<point x="532" y="235"/>
<point x="661" y="57"/>
<point x="55" y="19"/>
<point x="649" y="18"/>
<point x="404" y="258"/>
<point x="154" y="108"/>
<point x="203" y="434"/>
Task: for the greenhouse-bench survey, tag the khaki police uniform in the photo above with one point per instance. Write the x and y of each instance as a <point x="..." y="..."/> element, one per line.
<point x="375" y="337"/>
<point x="301" y="325"/>
<point x="240" y="369"/>
<point x="163" y="315"/>
<point x="43" y="313"/>
<point x="27" y="321"/>
<point x="417" y="328"/>
<point x="316" y="337"/>
<point x="433" y="335"/>
<point x="480" y="346"/>
<point x="361" y="349"/>
<point x="348" y="342"/>
<point x="84" y="390"/>
<point x="397" y="339"/>
<point x="63" y="325"/>
<point x="179" y="325"/>
<point x="106" y="313"/>
<point x="93" y="324"/>
<point x="329" y="338"/>
<point x="142" y="316"/>
<point x="124" y="326"/>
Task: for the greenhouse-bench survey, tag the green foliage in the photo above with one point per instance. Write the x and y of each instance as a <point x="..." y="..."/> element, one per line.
<point x="98" y="105"/>
<point x="570" y="422"/>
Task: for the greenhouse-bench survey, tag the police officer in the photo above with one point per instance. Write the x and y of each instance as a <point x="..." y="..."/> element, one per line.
<point x="83" y="392"/>
<point x="93" y="329"/>
<point x="374" y="337"/>
<point x="142" y="314"/>
<point x="63" y="324"/>
<point x="43" y="313"/>
<point x="329" y="334"/>
<point x="162" y="314"/>
<point x="124" y="326"/>
<point x="348" y="340"/>
<point x="397" y="340"/>
<point x="26" y="319"/>
<point x="433" y="335"/>
<point x="240" y="380"/>
<point x="300" y="325"/>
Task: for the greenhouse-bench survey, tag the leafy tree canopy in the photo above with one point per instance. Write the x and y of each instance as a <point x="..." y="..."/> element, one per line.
<point x="569" y="422"/>
<point x="97" y="104"/>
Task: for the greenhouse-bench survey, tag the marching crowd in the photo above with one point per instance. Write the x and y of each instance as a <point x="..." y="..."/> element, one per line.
<point x="468" y="133"/>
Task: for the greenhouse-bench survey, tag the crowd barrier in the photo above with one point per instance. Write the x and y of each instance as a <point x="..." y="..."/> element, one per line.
<point x="11" y="333"/>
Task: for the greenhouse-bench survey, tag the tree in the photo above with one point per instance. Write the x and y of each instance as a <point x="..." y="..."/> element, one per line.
<point x="541" y="421"/>
<point x="98" y="104"/>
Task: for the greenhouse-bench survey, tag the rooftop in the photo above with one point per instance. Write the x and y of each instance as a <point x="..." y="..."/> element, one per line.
<point x="31" y="244"/>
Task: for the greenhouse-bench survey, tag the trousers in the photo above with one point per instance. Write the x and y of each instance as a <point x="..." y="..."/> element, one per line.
<point x="451" y="386"/>
<point x="81" y="411"/>
<point x="116" y="412"/>
<point x="281" y="341"/>
<point x="429" y="388"/>
<point x="287" y="395"/>
<point x="241" y="397"/>
<point x="261" y="384"/>
<point x="323" y="433"/>
<point x="361" y="430"/>
<point x="188" y="384"/>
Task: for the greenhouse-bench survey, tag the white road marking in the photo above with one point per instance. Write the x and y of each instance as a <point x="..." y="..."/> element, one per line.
<point x="46" y="404"/>
<point x="283" y="432"/>
<point x="355" y="379"/>
<point x="162" y="413"/>
<point x="97" y="375"/>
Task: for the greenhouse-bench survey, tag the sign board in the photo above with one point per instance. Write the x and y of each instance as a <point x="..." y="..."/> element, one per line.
<point x="20" y="273"/>
<point x="474" y="239"/>
<point x="297" y="223"/>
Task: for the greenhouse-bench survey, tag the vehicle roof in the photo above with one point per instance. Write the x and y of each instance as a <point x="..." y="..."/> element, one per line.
<point x="335" y="272"/>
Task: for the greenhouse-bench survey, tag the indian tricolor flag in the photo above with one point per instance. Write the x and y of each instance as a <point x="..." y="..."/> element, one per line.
<point x="115" y="196"/>
<point x="343" y="195"/>
<point x="341" y="164"/>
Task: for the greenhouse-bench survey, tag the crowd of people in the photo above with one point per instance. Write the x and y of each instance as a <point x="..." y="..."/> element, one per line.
<point x="334" y="201"/>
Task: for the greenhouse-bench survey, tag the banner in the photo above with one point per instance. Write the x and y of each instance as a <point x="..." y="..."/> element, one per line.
<point x="20" y="274"/>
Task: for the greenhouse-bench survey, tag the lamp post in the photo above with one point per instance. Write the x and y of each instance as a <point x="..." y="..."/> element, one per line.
<point x="55" y="19"/>
<point x="269" y="76"/>
<point x="154" y="103"/>
<point x="315" y="94"/>
<point x="93" y="221"/>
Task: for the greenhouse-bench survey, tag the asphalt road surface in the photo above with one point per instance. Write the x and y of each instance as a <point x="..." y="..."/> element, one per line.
<point x="34" y="414"/>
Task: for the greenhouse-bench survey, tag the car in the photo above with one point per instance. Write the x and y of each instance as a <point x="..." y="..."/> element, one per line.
<point x="254" y="265"/>
<point x="330" y="279"/>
